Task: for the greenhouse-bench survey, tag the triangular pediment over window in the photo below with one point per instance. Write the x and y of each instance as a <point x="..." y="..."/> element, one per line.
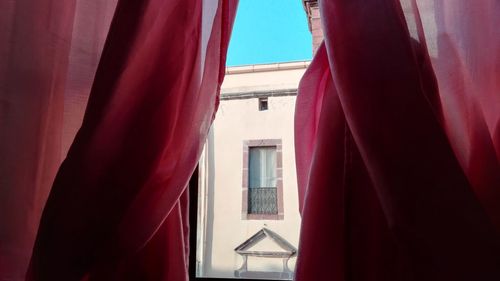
<point x="247" y="248"/>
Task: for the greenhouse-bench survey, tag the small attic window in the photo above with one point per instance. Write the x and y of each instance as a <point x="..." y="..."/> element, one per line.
<point x="263" y="105"/>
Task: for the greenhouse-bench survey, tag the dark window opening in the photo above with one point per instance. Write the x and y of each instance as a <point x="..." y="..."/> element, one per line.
<point x="263" y="104"/>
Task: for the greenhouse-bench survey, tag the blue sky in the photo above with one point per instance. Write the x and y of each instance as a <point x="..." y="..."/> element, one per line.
<point x="267" y="31"/>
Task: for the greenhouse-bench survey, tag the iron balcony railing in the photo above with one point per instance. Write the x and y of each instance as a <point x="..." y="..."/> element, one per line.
<point x="262" y="200"/>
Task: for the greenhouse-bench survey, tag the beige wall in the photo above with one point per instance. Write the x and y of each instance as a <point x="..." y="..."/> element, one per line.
<point x="221" y="224"/>
<point x="242" y="79"/>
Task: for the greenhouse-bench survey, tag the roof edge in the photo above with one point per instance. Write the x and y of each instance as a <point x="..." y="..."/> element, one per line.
<point x="267" y="67"/>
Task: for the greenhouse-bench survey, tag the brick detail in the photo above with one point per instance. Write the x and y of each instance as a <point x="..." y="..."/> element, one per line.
<point x="314" y="19"/>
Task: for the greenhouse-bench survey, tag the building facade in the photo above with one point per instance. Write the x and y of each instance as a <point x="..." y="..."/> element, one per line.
<point x="248" y="217"/>
<point x="248" y="211"/>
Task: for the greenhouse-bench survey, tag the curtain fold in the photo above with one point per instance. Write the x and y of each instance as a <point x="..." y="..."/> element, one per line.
<point x="119" y="190"/>
<point x="396" y="161"/>
<point x="48" y="56"/>
<point x="262" y="167"/>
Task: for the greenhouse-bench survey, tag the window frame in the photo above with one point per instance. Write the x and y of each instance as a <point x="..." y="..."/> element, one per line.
<point x="247" y="144"/>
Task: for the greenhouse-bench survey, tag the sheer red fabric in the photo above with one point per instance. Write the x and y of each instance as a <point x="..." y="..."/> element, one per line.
<point x="117" y="209"/>
<point x="48" y="56"/>
<point x="396" y="132"/>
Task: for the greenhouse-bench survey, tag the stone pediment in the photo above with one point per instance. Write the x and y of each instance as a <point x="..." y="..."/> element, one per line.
<point x="287" y="249"/>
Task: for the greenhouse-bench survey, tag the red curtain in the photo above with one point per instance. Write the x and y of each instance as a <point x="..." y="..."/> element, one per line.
<point x="117" y="209"/>
<point x="49" y="50"/>
<point x="397" y="143"/>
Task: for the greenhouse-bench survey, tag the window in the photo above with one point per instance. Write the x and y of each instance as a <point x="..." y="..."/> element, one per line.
<point x="263" y="104"/>
<point x="262" y="190"/>
<point x="262" y="195"/>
